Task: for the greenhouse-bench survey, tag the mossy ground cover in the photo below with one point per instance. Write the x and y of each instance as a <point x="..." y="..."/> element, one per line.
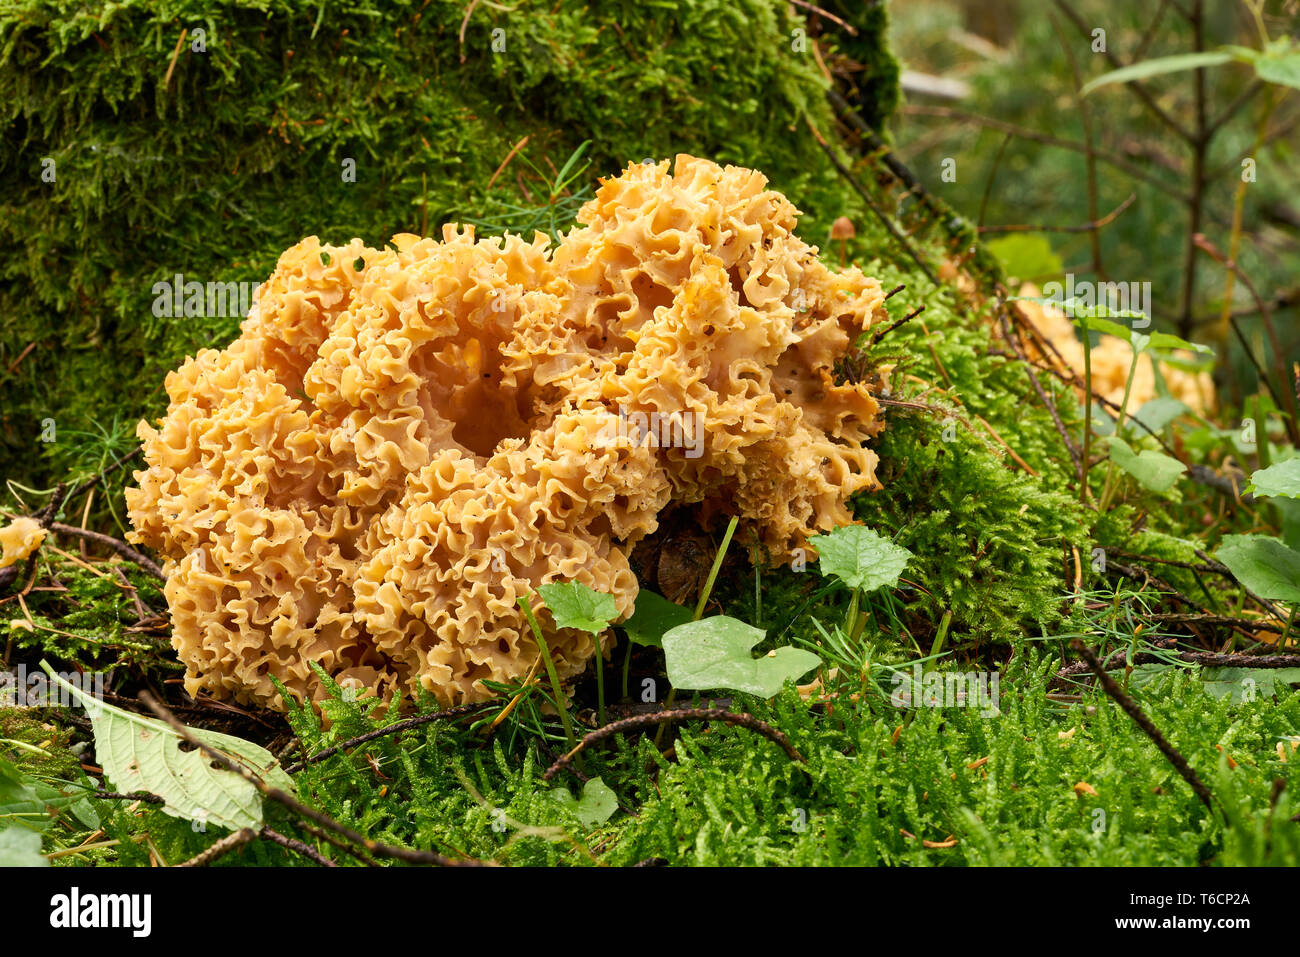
<point x="977" y="483"/>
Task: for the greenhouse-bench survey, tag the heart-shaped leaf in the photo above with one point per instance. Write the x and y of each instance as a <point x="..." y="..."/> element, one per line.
<point x="860" y="557"/>
<point x="714" y="653"/>
<point x="141" y="754"/>
<point x="1281" y="480"/>
<point x="597" y="805"/>
<point x="574" y="605"/>
<point x="1264" y="565"/>
<point x="1153" y="470"/>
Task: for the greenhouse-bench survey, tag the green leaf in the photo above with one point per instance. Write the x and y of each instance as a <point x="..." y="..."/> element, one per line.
<point x="1264" y="565"/>
<point x="574" y="605"/>
<point x="141" y="754"/>
<point x="1159" y="412"/>
<point x="1153" y="470"/>
<point x="1289" y="509"/>
<point x="653" y="616"/>
<point x="1247" y="684"/>
<point x="1167" y="341"/>
<point x="714" y="653"/>
<point x="1094" y="317"/>
<point x="597" y="805"/>
<point x="13" y="783"/>
<point x="1282" y="479"/>
<point x="1279" y="64"/>
<point x="20" y="847"/>
<point x="1157" y="66"/>
<point x="1027" y="256"/>
<point x="860" y="557"/>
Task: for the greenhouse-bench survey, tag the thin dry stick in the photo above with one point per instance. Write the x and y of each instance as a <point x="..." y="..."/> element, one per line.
<point x="1084" y="228"/>
<point x="1286" y="398"/>
<point x="180" y="40"/>
<point x="145" y="796"/>
<point x="121" y="547"/>
<point x="1134" y="85"/>
<point x="397" y="728"/>
<point x="1207" y="659"/>
<point x="469" y="10"/>
<point x="293" y="804"/>
<point x="681" y="714"/>
<point x="343" y="846"/>
<point x="1025" y="133"/>
<point x="861" y="190"/>
<point x="894" y="325"/>
<point x="849" y="28"/>
<point x="506" y="162"/>
<point x="1061" y="430"/>
<point x="1139" y="717"/>
<point x="221" y="848"/>
<point x="295" y="845"/>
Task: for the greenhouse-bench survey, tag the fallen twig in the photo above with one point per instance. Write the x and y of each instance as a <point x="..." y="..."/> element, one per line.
<point x="1142" y="721"/>
<point x="681" y="714"/>
<point x="144" y="796"/>
<point x="221" y="848"/>
<point x="292" y="844"/>
<point x="117" y="545"/>
<point x="397" y="728"/>
<point x="1206" y="659"/>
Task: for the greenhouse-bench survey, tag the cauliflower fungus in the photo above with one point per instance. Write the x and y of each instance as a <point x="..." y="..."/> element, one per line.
<point x="404" y="441"/>
<point x="19" y="539"/>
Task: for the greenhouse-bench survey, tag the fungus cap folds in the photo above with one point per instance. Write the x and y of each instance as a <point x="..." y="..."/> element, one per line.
<point x="19" y="539"/>
<point x="403" y="442"/>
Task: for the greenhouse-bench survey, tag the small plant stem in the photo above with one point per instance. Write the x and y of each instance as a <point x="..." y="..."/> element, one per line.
<point x="600" y="681"/>
<point x="699" y="606"/>
<point x="1087" y="415"/>
<point x="627" y="665"/>
<point x="942" y="634"/>
<point x="1286" y="632"/>
<point x="550" y="670"/>
<point x="1107" y="491"/>
<point x="851" y="619"/>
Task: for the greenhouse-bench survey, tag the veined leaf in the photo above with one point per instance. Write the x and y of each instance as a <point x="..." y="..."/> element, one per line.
<point x="1264" y="565"/>
<point x="1153" y="470"/>
<point x="715" y="653"/>
<point x="860" y="557"/>
<point x="574" y="605"/>
<point x="1282" y="479"/>
<point x="141" y="754"/>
